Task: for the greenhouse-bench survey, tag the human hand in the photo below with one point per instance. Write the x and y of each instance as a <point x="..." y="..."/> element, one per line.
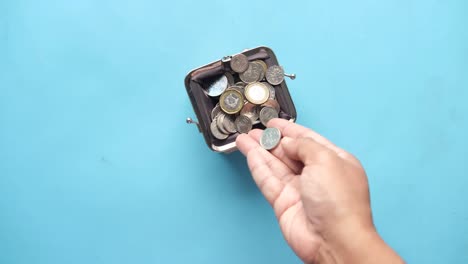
<point x="320" y="196"/>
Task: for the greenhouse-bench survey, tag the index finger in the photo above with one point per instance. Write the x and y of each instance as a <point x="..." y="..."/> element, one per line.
<point x="293" y="130"/>
<point x="269" y="173"/>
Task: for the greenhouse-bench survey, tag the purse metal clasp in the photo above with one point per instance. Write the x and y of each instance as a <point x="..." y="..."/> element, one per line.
<point x="191" y="121"/>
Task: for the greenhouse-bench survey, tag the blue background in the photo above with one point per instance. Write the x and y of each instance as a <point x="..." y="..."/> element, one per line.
<point x="97" y="164"/>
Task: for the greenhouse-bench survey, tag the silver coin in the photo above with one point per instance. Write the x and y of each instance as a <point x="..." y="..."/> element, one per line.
<point x="262" y="76"/>
<point x="272" y="90"/>
<point x="215" y="131"/>
<point x="220" y="123"/>
<point x="275" y="75"/>
<point x="240" y="84"/>
<point x="230" y="78"/>
<point x="218" y="86"/>
<point x="250" y="110"/>
<point x="252" y="74"/>
<point x="272" y="103"/>
<point x="239" y="63"/>
<point x="264" y="68"/>
<point x="240" y="89"/>
<point x="229" y="125"/>
<point x="216" y="110"/>
<point x="243" y="124"/>
<point x="270" y="138"/>
<point x="266" y="114"/>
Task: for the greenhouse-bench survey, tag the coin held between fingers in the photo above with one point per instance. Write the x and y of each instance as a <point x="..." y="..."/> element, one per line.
<point x="270" y="138"/>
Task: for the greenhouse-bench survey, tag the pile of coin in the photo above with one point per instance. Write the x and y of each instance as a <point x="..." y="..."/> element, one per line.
<point x="249" y="101"/>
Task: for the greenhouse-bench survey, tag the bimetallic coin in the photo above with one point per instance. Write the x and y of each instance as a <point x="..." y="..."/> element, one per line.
<point x="239" y="63"/>
<point x="270" y="138"/>
<point x="257" y="93"/>
<point x="250" y="110"/>
<point x="216" y="110"/>
<point x="272" y="103"/>
<point x="229" y="125"/>
<point x="243" y="124"/>
<point x="275" y="75"/>
<point x="220" y="123"/>
<point x="266" y="114"/>
<point x="231" y="101"/>
<point x="272" y="90"/>
<point x="252" y="74"/>
<point x="217" y="87"/>
<point x="215" y="131"/>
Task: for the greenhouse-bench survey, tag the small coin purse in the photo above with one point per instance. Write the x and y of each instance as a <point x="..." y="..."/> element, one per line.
<point x="197" y="81"/>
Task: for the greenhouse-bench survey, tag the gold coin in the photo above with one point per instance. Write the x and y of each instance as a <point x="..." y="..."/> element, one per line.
<point x="231" y="101"/>
<point x="257" y="93"/>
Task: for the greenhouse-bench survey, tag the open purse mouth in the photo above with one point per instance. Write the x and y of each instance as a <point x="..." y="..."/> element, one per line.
<point x="222" y="97"/>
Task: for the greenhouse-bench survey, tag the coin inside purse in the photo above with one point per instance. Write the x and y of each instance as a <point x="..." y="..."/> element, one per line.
<point x="198" y="81"/>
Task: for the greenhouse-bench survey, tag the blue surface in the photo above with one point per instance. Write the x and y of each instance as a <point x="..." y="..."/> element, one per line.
<point x="98" y="166"/>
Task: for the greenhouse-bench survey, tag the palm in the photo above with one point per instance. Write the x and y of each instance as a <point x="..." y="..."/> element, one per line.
<point x="296" y="227"/>
<point x="278" y="179"/>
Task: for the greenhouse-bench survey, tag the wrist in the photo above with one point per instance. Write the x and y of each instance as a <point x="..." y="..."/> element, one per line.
<point x="355" y="244"/>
